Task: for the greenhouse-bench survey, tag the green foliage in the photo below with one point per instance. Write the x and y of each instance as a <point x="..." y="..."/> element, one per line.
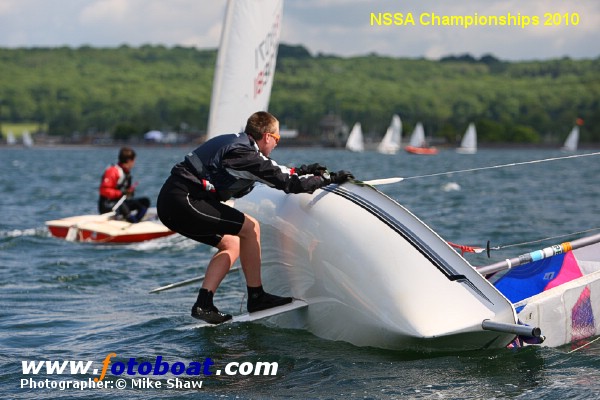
<point x="18" y="129"/>
<point x="126" y="91"/>
<point x="125" y="130"/>
<point x="517" y="102"/>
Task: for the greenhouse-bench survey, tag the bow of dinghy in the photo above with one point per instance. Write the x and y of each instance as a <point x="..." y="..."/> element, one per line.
<point x="372" y="273"/>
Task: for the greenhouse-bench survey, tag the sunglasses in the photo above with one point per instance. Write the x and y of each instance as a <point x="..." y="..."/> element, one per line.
<point x="275" y="136"/>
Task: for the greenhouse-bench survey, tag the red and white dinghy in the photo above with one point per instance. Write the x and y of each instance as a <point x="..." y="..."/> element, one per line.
<point x="106" y="229"/>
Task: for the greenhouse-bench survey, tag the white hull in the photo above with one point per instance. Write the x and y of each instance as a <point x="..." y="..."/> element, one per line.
<point x="461" y="150"/>
<point x="104" y="229"/>
<point x="372" y="273"/>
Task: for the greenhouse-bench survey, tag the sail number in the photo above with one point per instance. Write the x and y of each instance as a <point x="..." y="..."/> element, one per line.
<point x="558" y="19"/>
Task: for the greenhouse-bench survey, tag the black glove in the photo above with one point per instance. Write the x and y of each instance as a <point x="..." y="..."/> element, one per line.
<point x="313" y="169"/>
<point x="340" y="176"/>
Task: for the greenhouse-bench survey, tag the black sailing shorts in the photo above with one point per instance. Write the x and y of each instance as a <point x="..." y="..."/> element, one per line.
<point x="195" y="213"/>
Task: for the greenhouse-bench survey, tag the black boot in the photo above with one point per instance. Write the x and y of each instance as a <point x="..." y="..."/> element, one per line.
<point x="205" y="310"/>
<point x="258" y="299"/>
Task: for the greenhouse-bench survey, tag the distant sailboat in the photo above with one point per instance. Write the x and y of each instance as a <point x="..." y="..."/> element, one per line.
<point x="468" y="145"/>
<point x="10" y="138"/>
<point x="245" y="64"/>
<point x="418" y="144"/>
<point x="355" y="139"/>
<point x="390" y="144"/>
<point x="27" y="139"/>
<point x="572" y="140"/>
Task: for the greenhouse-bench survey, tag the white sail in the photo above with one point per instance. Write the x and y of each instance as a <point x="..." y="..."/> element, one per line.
<point x="390" y="144"/>
<point x="572" y="140"/>
<point x="27" y="139"/>
<point x="468" y="145"/>
<point x="355" y="139"/>
<point x="10" y="138"/>
<point x="417" y="138"/>
<point x="245" y="64"/>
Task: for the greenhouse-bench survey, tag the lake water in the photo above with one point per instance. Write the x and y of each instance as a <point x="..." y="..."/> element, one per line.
<point x="71" y="301"/>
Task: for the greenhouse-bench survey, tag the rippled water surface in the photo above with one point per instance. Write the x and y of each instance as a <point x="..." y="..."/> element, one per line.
<point x="71" y="301"/>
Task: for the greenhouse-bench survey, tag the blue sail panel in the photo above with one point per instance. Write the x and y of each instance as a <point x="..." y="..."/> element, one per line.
<point x="529" y="279"/>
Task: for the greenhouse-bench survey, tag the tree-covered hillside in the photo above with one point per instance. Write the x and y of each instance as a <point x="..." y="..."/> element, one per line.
<point x="127" y="91"/>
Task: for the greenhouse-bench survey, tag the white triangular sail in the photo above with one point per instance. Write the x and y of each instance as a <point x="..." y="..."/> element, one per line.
<point x="245" y="64"/>
<point x="417" y="138"/>
<point x="468" y="145"/>
<point x="355" y="139"/>
<point x="390" y="144"/>
<point x="10" y="138"/>
<point x="572" y="140"/>
<point x="27" y="139"/>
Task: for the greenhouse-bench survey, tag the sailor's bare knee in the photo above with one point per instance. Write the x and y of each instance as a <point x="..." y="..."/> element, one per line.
<point x="229" y="242"/>
<point x="230" y="245"/>
<point x="250" y="228"/>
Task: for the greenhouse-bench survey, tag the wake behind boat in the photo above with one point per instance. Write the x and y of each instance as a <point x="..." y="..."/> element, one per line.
<point x="105" y="228"/>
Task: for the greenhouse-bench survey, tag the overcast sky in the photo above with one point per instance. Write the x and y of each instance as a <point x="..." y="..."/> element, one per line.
<point x="340" y="27"/>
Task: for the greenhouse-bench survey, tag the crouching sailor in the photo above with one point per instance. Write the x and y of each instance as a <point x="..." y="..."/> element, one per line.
<point x="191" y="203"/>
<point x="116" y="184"/>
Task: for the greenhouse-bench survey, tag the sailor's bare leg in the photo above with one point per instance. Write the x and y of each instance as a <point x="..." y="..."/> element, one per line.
<point x="250" y="252"/>
<point x="246" y="246"/>
<point x="220" y="264"/>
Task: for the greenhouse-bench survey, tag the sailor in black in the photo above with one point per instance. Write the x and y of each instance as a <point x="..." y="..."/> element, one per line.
<point x="191" y="203"/>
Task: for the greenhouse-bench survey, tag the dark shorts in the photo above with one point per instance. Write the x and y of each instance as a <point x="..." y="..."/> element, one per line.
<point x="195" y="213"/>
<point x="132" y="204"/>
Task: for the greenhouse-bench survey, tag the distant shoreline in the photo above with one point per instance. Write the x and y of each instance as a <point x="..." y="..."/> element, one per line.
<point x="304" y="145"/>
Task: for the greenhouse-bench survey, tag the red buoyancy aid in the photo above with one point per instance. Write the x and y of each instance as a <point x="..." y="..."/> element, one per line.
<point x="115" y="182"/>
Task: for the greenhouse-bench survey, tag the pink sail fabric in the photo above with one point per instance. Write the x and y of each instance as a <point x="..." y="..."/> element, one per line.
<point x="569" y="271"/>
